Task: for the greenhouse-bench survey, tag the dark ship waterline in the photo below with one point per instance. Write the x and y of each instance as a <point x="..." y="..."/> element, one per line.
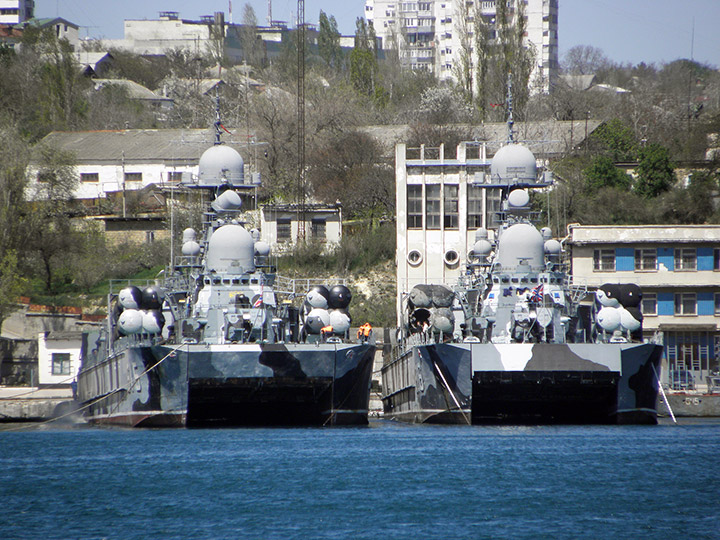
<point x="222" y="340"/>
<point x="515" y="341"/>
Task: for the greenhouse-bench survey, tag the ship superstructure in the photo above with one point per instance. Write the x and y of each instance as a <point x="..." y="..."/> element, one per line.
<point x="515" y="340"/>
<point x="221" y="340"/>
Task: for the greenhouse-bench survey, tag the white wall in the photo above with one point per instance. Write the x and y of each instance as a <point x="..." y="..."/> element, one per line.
<point x="45" y="349"/>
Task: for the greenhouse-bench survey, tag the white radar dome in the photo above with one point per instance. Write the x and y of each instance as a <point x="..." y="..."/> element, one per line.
<point x="220" y="165"/>
<point x="513" y="162"/>
<point x="518" y="198"/>
<point x="262" y="249"/>
<point x="521" y="242"/>
<point x="228" y="201"/>
<point x="231" y="249"/>
<point x="191" y="249"/>
<point x="553" y="247"/>
<point x="482" y="248"/>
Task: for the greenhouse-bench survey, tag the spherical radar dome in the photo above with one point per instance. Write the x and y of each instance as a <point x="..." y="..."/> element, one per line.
<point x="220" y="165"/>
<point x="231" y="248"/>
<point x="521" y="242"/>
<point x="513" y="162"/>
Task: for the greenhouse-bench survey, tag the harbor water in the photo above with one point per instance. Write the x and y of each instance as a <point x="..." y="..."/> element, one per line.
<point x="382" y="481"/>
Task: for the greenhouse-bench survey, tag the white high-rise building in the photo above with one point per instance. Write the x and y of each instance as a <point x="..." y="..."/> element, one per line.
<point x="16" y="11"/>
<point x="427" y="34"/>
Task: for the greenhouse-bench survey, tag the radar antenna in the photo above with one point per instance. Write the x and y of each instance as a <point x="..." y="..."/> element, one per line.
<point x="510" y="121"/>
<point x="218" y="121"/>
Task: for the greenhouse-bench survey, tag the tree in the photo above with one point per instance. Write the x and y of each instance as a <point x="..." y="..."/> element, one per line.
<point x="463" y="67"/>
<point x="348" y="168"/>
<point x="363" y="63"/>
<point x="12" y="284"/>
<point x="655" y="171"/>
<point x="615" y="140"/>
<point x="505" y="55"/>
<point x="329" y="41"/>
<point x="62" y="86"/>
<point x="253" y="48"/>
<point x="602" y="172"/>
<point x="584" y="60"/>
<point x="50" y="236"/>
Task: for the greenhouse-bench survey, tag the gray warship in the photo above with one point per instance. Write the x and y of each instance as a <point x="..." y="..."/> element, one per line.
<point x="515" y="340"/>
<point x="222" y="340"/>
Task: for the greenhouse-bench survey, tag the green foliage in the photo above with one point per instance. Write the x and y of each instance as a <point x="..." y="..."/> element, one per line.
<point x="329" y="41"/>
<point x="499" y="58"/>
<point x="355" y="253"/>
<point x="602" y="172"/>
<point x="655" y="171"/>
<point x="614" y="139"/>
<point x="363" y="61"/>
<point x="361" y="252"/>
<point x="12" y="283"/>
<point x="363" y="67"/>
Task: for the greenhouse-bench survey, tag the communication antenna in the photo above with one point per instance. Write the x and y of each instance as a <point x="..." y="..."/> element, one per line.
<point x="269" y="12"/>
<point x="510" y="121"/>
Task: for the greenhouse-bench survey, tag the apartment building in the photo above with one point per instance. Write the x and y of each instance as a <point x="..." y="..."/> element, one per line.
<point x="678" y="269"/>
<point x="427" y="34"/>
<point x="16" y="11"/>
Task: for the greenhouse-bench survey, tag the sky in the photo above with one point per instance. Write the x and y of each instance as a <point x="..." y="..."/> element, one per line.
<point x="627" y="31"/>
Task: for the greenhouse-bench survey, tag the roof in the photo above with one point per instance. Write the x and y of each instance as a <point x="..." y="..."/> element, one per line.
<point x="134" y="90"/>
<point x="91" y="58"/>
<point x="578" y="82"/>
<point x="135" y="145"/>
<point x="46" y="21"/>
<point x="628" y="234"/>
<point x="544" y="138"/>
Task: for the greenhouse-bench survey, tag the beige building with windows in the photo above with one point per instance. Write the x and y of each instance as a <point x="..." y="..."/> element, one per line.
<point x="678" y="269"/>
<point x="282" y="225"/>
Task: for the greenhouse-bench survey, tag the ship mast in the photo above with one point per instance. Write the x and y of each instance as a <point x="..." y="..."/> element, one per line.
<point x="510" y="121"/>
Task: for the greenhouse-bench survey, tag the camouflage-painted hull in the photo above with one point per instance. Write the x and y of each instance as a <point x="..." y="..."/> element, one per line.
<point x="474" y="383"/>
<point x="230" y="385"/>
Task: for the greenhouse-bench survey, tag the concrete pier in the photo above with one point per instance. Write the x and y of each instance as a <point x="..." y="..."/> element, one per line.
<point x="32" y="404"/>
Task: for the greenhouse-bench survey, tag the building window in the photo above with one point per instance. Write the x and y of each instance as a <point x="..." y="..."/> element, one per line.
<point x="685" y="304"/>
<point x="133" y="177"/>
<point x="450" y="207"/>
<point x="716" y="259"/>
<point x="649" y="304"/>
<point x="175" y="176"/>
<point x="283" y="230"/>
<point x="61" y="363"/>
<point x="432" y="207"/>
<point x="604" y="260"/>
<point x="89" y="177"/>
<point x="474" y="206"/>
<point x="645" y="259"/>
<point x="414" y="206"/>
<point x="685" y="259"/>
<point x="149" y="237"/>
<point x="317" y="228"/>
<point x="717" y="303"/>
